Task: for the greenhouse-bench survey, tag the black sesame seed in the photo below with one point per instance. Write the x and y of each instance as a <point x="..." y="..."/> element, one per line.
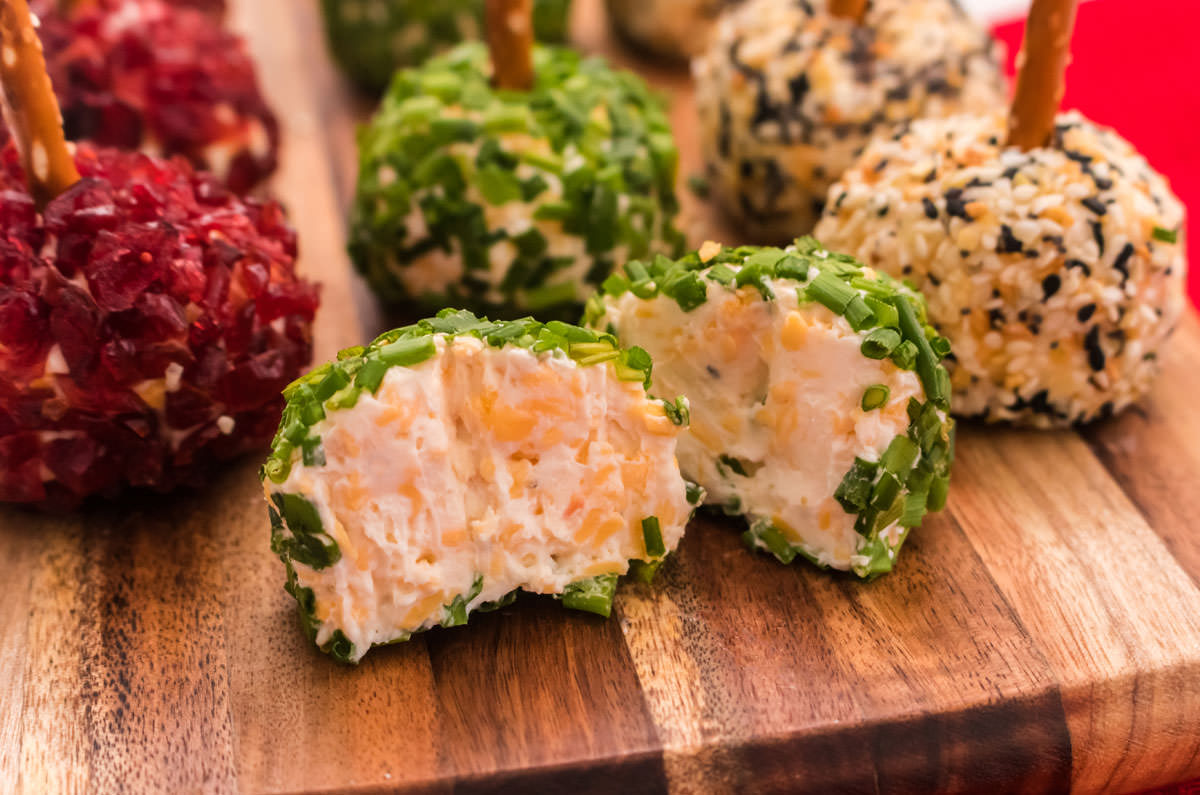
<point x="935" y="281"/>
<point x="966" y="310"/>
<point x="1103" y="183"/>
<point x="1083" y="266"/>
<point x="1121" y="263"/>
<point x="931" y="211"/>
<point x="1010" y="172"/>
<point x="931" y="176"/>
<point x="883" y="210"/>
<point x="1008" y="243"/>
<point x="1094" y="204"/>
<point x="712" y="371"/>
<point x="1085" y="312"/>
<point x="881" y="165"/>
<point x="996" y="318"/>
<point x="798" y="87"/>
<point x="1091" y="344"/>
<point x="955" y="205"/>
<point x="1050" y="285"/>
<point x="1098" y="235"/>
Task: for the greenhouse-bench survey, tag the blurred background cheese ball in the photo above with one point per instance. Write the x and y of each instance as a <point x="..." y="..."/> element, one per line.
<point x="788" y="95"/>
<point x="1056" y="273"/>
<point x="371" y="39"/>
<point x="673" y="29"/>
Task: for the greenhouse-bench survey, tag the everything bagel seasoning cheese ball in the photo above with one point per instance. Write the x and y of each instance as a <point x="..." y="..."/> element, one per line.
<point x="1058" y="273"/>
<point x="451" y="463"/>
<point x="372" y="38"/>
<point x="676" y="29"/>
<point x="817" y="401"/>
<point x="788" y="95"/>
<point x="511" y="201"/>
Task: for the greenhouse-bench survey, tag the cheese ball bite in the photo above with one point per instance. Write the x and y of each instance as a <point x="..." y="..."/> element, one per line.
<point x="511" y="201"/>
<point x="148" y="321"/>
<point x="788" y="95"/>
<point x="673" y="29"/>
<point x="164" y="79"/>
<point x="370" y="39"/>
<point x="1057" y="273"/>
<point x="452" y="463"/>
<point x="817" y="399"/>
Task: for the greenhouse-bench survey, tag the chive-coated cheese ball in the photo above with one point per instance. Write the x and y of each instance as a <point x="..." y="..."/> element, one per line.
<point x="507" y="201"/>
<point x="1058" y="274"/>
<point x="818" y="403"/>
<point x="676" y="29"/>
<point x="789" y="95"/>
<point x="454" y="462"/>
<point x="372" y="38"/>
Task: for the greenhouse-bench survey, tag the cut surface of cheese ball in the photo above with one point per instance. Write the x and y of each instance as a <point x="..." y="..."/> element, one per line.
<point x="511" y="201"/>
<point x="817" y="398"/>
<point x="371" y="39"/>
<point x="1058" y="274"/>
<point x="676" y="29"/>
<point x="788" y="95"/>
<point x="454" y="462"/>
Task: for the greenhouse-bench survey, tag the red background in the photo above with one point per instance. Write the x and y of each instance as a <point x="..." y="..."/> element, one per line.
<point x="1135" y="66"/>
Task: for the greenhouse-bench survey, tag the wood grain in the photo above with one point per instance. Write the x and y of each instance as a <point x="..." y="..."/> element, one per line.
<point x="1043" y="634"/>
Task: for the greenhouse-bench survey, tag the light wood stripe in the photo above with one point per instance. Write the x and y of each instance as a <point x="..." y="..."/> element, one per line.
<point x="1106" y="603"/>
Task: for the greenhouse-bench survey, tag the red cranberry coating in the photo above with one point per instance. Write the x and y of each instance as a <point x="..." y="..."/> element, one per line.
<point x="167" y="79"/>
<point x="148" y="321"/>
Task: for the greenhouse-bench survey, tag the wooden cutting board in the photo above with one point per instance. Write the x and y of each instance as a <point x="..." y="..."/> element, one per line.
<point x="1041" y="634"/>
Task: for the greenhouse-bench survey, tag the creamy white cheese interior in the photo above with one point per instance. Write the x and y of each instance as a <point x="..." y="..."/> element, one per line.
<point x="497" y="466"/>
<point x="776" y="391"/>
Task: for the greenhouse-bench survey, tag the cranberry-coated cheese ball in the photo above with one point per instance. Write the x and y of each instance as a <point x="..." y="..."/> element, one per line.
<point x="148" y="321"/>
<point x="166" y="80"/>
<point x="788" y="96"/>
<point x="676" y="29"/>
<point x="1058" y="273"/>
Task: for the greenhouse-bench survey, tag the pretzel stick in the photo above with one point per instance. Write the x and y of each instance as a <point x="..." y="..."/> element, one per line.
<point x="1041" y="63"/>
<point x="510" y="42"/>
<point x="30" y="107"/>
<point x="848" y="9"/>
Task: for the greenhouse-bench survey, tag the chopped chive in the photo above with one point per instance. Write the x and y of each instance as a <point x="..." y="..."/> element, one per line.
<point x="615" y="285"/>
<point x="885" y="313"/>
<point x="926" y="361"/>
<point x="941" y="347"/>
<point x="880" y="343"/>
<point x="905" y="355"/>
<point x="722" y="274"/>
<point x="792" y="267"/>
<point x="679" y="412"/>
<point x="939" y="489"/>
<point x="899" y="456"/>
<point x="594" y="595"/>
<point x="875" y="396"/>
<point x="854" y="491"/>
<point x="885" y="491"/>
<point x="644" y="570"/>
<point x="832" y="292"/>
<point x="858" y="314"/>
<point x="693" y="492"/>
<point x="732" y="464"/>
<point x="687" y="290"/>
<point x="405" y="353"/>
<point x="770" y="537"/>
<point x="1165" y="235"/>
<point x="653" y="538"/>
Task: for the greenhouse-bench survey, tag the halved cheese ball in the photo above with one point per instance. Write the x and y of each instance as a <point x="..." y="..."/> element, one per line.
<point x="454" y="462"/>
<point x="511" y="201"/>
<point x="788" y="95"/>
<point x="1058" y="274"/>
<point x="816" y="394"/>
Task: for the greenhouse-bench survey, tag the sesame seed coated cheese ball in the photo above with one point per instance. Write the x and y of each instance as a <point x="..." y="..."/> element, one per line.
<point x="1058" y="273"/>
<point x="817" y="401"/>
<point x="788" y="95"/>
<point x="676" y="29"/>
<point x="451" y="463"/>
<point x="372" y="38"/>
<point x="511" y="201"/>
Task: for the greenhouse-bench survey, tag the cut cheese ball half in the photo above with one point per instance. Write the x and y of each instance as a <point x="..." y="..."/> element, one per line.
<point x="817" y="396"/>
<point x="454" y="462"/>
